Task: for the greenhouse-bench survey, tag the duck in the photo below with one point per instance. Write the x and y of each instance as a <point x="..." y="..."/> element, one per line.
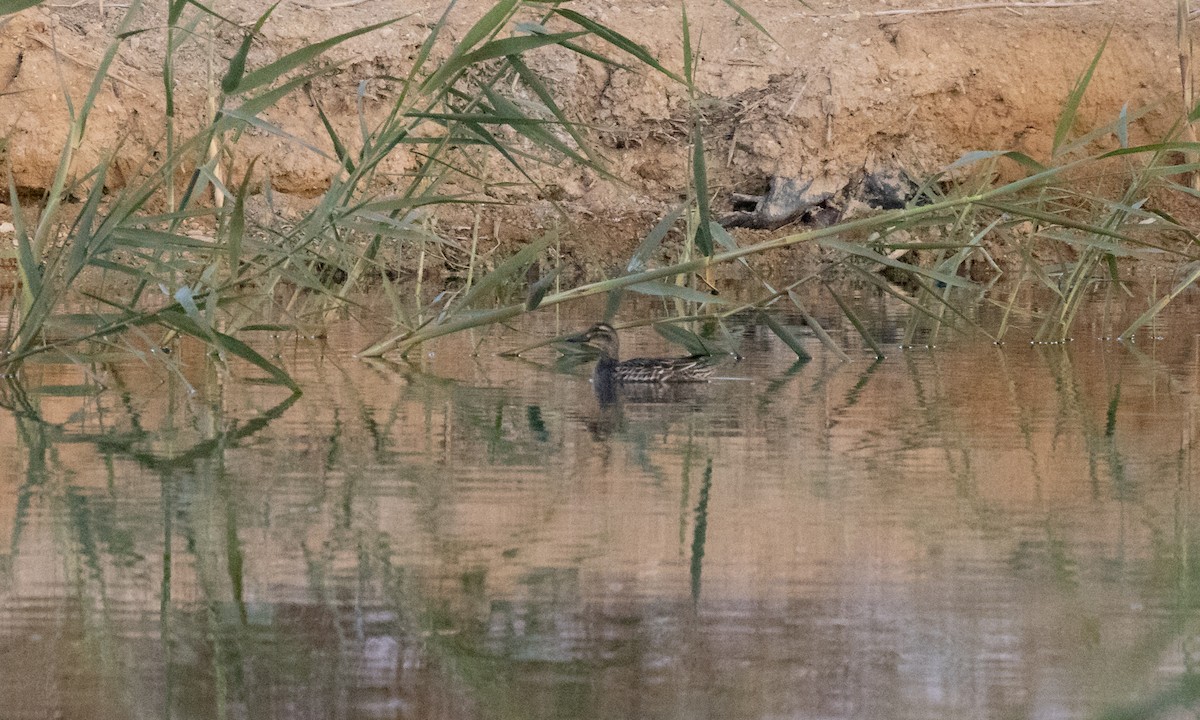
<point x="610" y="368"/>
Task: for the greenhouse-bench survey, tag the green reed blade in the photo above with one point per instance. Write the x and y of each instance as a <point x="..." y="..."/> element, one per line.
<point x="1118" y="128"/>
<point x="654" y="239"/>
<point x="619" y="41"/>
<point x="856" y="322"/>
<point x="750" y="19"/>
<point x="8" y="7"/>
<point x="612" y="303"/>
<point x="181" y="323"/>
<point x="27" y="265"/>
<point x="704" y="237"/>
<point x="236" y="229"/>
<point x="1071" y="108"/>
<point x="486" y="26"/>
<point x="492" y="50"/>
<point x="534" y="129"/>
<point x="817" y="329"/>
<point x="682" y="292"/>
<point x="687" y="339"/>
<point x="1192" y="273"/>
<point x="273" y="71"/>
<point x="507" y="270"/>
<point x="339" y="148"/>
<point x="534" y="83"/>
<point x="538" y="290"/>
<point x="786" y="336"/>
<point x="237" y="63"/>
<point x="868" y="254"/>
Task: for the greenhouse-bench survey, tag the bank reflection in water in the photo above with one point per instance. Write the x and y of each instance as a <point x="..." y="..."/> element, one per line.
<point x="972" y="532"/>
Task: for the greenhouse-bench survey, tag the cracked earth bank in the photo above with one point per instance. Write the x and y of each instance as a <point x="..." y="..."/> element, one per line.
<point x="852" y="85"/>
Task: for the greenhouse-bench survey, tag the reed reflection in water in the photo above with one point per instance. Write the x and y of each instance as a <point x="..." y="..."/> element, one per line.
<point x="964" y="532"/>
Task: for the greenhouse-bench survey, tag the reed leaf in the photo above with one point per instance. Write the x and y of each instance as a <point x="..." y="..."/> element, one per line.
<point x="8" y="7"/>
<point x="534" y="83"/>
<point x="703" y="238"/>
<point x="786" y="336"/>
<point x="492" y="50"/>
<point x="660" y="289"/>
<point x="273" y="71"/>
<point x="28" y="267"/>
<point x="868" y="254"/>
<point x="857" y="323"/>
<point x="817" y="328"/>
<point x="1191" y="274"/>
<point x="687" y="339"/>
<point x="750" y="19"/>
<point x="237" y="63"/>
<point x="507" y="270"/>
<point x="339" y="148"/>
<point x="654" y="239"/>
<point x="538" y="290"/>
<point x="486" y="26"/>
<point x="619" y="41"/>
<point x="535" y="130"/>
<point x="182" y="323"/>
<point x="1066" y="119"/>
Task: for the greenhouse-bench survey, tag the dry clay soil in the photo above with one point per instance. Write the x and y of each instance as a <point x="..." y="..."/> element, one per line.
<point x="843" y="86"/>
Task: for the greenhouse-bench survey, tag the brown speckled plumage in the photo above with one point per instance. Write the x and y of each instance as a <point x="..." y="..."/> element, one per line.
<point x="695" y="368"/>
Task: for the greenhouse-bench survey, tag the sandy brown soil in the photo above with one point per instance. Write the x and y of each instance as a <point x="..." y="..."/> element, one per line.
<point x="852" y="84"/>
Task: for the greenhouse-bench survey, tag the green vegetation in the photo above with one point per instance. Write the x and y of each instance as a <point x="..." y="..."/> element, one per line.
<point x="121" y="271"/>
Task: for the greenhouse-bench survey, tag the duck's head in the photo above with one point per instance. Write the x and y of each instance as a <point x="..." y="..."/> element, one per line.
<point x="601" y="336"/>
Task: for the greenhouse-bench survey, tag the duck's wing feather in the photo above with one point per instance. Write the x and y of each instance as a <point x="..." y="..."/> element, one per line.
<point x="696" y="368"/>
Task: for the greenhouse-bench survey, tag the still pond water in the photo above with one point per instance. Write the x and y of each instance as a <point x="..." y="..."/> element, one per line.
<point x="970" y="531"/>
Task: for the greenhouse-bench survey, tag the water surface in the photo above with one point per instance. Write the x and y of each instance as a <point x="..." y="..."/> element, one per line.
<point x="970" y="530"/>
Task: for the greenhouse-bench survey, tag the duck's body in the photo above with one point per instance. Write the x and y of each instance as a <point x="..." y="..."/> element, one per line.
<point x="610" y="368"/>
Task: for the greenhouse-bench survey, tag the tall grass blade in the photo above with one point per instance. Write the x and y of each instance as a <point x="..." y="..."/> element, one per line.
<point x="486" y="26"/>
<point x="612" y="303"/>
<point x="687" y="339"/>
<point x="1192" y="273"/>
<point x="1071" y="107"/>
<point x="8" y="7"/>
<point x="868" y="254"/>
<point x="817" y="329"/>
<point x="534" y="129"/>
<point x="181" y="323"/>
<point x="975" y="156"/>
<point x="538" y="290"/>
<point x="704" y="238"/>
<point x="237" y="226"/>
<point x="273" y="71"/>
<point x="750" y="19"/>
<point x="1119" y="128"/>
<point x="786" y="336"/>
<point x="76" y="132"/>
<point x="654" y="239"/>
<point x="1158" y="147"/>
<point x="28" y="268"/>
<point x="534" y="83"/>
<point x="660" y="289"/>
<point x="237" y="63"/>
<point x="492" y="50"/>
<point x="857" y="323"/>
<point x="507" y="270"/>
<point x="689" y="69"/>
<point x="618" y="41"/>
<point x="339" y="148"/>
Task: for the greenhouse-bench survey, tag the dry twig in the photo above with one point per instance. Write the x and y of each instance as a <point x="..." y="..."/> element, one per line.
<point x="973" y="6"/>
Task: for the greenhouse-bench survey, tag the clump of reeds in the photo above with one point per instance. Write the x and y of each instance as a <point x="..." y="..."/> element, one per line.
<point x="222" y="286"/>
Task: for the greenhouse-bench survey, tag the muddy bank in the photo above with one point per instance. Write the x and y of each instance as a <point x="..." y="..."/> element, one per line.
<point x="853" y="86"/>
